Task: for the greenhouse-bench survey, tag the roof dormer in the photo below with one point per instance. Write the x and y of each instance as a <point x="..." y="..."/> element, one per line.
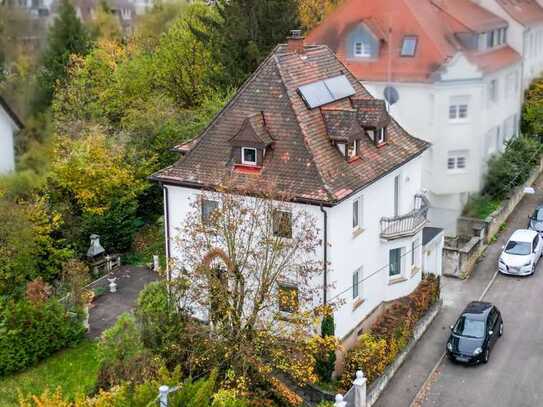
<point x="251" y="143"/>
<point x="373" y="117"/>
<point x="344" y="131"/>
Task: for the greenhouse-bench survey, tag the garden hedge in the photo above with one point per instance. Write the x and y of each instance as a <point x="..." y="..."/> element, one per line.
<point x="389" y="334"/>
<point x="31" y="332"/>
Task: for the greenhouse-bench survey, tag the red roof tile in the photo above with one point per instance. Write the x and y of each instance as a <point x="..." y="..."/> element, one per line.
<point x="526" y="12"/>
<point x="435" y="28"/>
<point x="303" y="161"/>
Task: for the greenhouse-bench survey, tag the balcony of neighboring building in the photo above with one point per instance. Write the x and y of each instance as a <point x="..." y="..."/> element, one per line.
<point x="408" y="224"/>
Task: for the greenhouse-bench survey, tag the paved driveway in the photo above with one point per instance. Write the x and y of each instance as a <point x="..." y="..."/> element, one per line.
<point x="513" y="377"/>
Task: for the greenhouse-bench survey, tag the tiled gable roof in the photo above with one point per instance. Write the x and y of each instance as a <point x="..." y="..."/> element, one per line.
<point x="434" y="23"/>
<point x="303" y="161"/>
<point x="526" y="12"/>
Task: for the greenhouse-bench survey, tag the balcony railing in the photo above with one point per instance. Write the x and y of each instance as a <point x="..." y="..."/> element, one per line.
<point x="408" y="224"/>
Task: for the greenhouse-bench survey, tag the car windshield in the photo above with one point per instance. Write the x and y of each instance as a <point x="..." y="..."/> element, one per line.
<point x="538" y="215"/>
<point x="518" y="248"/>
<point x="469" y="327"/>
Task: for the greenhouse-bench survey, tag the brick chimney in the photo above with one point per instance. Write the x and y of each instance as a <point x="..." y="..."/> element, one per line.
<point x="296" y="42"/>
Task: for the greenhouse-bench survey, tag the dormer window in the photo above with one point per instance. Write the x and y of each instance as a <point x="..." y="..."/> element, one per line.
<point x="248" y="156"/>
<point x="353" y="150"/>
<point x="344" y="131"/>
<point x="381" y="136"/>
<point x="251" y="142"/>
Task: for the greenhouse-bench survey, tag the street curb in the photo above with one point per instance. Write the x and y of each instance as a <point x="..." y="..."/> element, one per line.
<point x="421" y="392"/>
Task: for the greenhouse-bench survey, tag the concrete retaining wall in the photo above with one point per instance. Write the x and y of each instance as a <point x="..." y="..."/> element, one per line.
<point x="459" y="259"/>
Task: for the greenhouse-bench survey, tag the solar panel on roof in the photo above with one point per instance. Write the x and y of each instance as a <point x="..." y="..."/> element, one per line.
<point x="339" y="87"/>
<point x="315" y="94"/>
<point x="327" y="91"/>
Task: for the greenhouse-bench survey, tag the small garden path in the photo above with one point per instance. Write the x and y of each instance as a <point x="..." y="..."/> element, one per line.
<point x="107" y="307"/>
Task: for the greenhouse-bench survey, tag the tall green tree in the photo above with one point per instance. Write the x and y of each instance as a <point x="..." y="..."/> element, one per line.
<point x="66" y="36"/>
<point x="247" y="31"/>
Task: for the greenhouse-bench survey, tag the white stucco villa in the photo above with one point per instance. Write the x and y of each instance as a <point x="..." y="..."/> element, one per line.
<point x="304" y="122"/>
<point x="454" y="79"/>
<point x="9" y="125"/>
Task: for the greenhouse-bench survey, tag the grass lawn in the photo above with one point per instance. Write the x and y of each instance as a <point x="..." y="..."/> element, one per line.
<point x="74" y="370"/>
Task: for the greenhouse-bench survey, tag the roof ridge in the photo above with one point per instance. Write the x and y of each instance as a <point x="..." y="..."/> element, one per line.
<point x="302" y="130"/>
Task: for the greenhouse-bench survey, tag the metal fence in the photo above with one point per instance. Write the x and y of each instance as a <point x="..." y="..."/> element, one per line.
<point x="397" y="226"/>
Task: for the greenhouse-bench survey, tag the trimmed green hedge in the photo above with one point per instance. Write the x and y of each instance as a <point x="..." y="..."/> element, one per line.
<point x="30" y="333"/>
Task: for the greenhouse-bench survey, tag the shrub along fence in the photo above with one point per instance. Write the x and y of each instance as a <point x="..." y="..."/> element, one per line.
<point x="390" y="334"/>
<point x="30" y="332"/>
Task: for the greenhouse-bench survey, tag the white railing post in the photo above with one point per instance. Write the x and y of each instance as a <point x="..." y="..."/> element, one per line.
<point x="339" y="401"/>
<point x="359" y="386"/>
<point x="163" y="395"/>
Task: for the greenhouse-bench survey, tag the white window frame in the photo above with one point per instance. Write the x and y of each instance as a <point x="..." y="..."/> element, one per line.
<point x="203" y="217"/>
<point x="397" y="194"/>
<point x="381" y="135"/>
<point x="459" y="161"/>
<point x="357" y="280"/>
<point x="244" y="161"/>
<point x="362" y="49"/>
<point x="458" y="109"/>
<point x="493" y="91"/>
<point x="359" y="203"/>
<point x="401" y="274"/>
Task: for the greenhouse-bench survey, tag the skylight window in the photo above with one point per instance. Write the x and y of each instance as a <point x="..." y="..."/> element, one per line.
<point x="327" y="91"/>
<point x="409" y="46"/>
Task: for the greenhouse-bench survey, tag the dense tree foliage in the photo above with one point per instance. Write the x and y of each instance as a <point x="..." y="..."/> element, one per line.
<point x="246" y="31"/>
<point x="312" y="12"/>
<point x="66" y="36"/>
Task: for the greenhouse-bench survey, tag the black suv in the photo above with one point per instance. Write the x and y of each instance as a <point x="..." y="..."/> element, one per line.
<point x="475" y="333"/>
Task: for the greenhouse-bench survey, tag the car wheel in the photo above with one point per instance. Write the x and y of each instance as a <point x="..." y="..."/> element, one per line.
<point x="500" y="331"/>
<point x="486" y="356"/>
<point x="533" y="269"/>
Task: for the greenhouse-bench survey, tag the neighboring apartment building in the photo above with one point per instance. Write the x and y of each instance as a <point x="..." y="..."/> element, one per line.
<point x="455" y="81"/>
<point x="525" y="34"/>
<point x="303" y="122"/>
<point x="9" y="125"/>
<point x="124" y="10"/>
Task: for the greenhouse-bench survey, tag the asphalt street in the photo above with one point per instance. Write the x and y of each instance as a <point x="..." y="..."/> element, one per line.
<point x="513" y="376"/>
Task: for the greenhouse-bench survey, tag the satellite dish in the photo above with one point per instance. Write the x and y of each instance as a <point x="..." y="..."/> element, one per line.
<point x="391" y="95"/>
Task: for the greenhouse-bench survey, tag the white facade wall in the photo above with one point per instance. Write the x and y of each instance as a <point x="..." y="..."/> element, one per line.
<point x="527" y="41"/>
<point x="7" y="151"/>
<point x="347" y="251"/>
<point x="423" y="110"/>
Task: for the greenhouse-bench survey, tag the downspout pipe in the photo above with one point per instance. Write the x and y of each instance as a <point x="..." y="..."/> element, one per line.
<point x="167" y="227"/>
<point x="325" y="254"/>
